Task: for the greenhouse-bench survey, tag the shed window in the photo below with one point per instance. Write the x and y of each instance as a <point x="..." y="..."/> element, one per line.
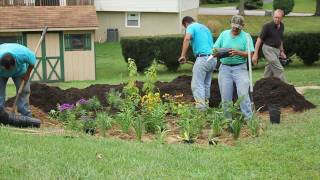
<point x="132" y="19"/>
<point x="77" y="42"/>
<point x="11" y="39"/>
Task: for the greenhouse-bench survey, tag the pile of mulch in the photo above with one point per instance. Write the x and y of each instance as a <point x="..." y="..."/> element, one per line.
<point x="273" y="91"/>
<point x="266" y="91"/>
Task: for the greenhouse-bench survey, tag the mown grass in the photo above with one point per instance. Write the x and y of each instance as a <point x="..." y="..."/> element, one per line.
<point x="225" y="4"/>
<point x="301" y="6"/>
<point x="285" y="151"/>
<point x="253" y="24"/>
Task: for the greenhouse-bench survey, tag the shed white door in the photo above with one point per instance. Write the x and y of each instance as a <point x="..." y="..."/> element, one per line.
<point x="49" y="65"/>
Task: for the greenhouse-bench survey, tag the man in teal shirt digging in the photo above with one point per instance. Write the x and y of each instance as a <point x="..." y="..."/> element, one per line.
<point x="17" y="62"/>
<point x="200" y="38"/>
<point x="233" y="69"/>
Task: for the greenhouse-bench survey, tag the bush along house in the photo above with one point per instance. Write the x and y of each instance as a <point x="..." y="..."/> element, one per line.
<point x="67" y="52"/>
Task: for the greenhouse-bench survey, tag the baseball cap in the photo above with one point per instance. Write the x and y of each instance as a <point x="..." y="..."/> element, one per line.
<point x="237" y="21"/>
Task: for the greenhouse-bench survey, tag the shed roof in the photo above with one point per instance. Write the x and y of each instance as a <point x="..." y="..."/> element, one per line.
<point x="55" y="17"/>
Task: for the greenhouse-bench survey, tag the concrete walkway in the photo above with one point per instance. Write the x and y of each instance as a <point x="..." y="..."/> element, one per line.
<point x="234" y="11"/>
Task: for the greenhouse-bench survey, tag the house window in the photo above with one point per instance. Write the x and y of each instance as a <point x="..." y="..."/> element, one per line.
<point x="132" y="19"/>
<point x="11" y="39"/>
<point x="77" y="42"/>
<point x="47" y="2"/>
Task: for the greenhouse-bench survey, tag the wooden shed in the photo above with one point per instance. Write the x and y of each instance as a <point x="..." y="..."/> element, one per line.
<point x="67" y="52"/>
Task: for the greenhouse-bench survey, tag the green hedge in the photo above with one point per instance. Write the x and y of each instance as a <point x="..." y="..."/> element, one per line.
<point x="166" y="49"/>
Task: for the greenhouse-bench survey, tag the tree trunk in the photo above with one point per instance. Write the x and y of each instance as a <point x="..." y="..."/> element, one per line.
<point x="317" y="8"/>
<point x="241" y="7"/>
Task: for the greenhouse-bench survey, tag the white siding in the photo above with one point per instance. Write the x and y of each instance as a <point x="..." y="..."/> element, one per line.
<point x="139" y="5"/>
<point x="189" y="4"/>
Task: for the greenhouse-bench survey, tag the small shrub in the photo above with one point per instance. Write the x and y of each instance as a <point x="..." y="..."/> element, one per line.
<point x="93" y="104"/>
<point x="236" y="126"/>
<point x="285" y="5"/>
<point x="125" y="119"/>
<point x="215" y="1"/>
<point x="89" y="126"/>
<point x="104" y="122"/>
<point x="161" y="135"/>
<point x="190" y="121"/>
<point x="114" y="98"/>
<point x="217" y="122"/>
<point x="253" y="4"/>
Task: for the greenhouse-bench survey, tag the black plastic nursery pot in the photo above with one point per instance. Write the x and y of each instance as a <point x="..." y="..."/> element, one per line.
<point x="274" y="113"/>
<point x="18" y="120"/>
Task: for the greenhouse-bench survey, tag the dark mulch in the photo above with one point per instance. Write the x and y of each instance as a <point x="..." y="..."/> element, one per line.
<point x="266" y="91"/>
<point x="273" y="91"/>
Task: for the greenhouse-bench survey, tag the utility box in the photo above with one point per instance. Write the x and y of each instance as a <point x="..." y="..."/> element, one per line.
<point x="112" y="35"/>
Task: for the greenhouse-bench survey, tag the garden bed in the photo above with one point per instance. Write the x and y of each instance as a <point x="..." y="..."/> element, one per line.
<point x="266" y="91"/>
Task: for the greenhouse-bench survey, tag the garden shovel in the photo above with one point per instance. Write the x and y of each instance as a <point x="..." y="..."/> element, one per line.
<point x="15" y="119"/>
<point x="14" y="109"/>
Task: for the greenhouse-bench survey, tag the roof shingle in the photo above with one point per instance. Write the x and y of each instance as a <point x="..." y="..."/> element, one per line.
<point x="36" y="17"/>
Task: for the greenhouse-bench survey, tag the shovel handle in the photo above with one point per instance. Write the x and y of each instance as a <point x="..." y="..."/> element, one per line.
<point x="17" y="96"/>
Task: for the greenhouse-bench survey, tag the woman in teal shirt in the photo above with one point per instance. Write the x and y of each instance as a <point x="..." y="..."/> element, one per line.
<point x="233" y="69"/>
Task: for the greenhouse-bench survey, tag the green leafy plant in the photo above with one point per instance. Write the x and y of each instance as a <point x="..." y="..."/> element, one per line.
<point x="254" y="124"/>
<point x="114" y="98"/>
<point x="139" y="127"/>
<point x="154" y="111"/>
<point x="285" y="5"/>
<point x="161" y="135"/>
<point x="125" y="119"/>
<point x="93" y="104"/>
<point x="236" y="126"/>
<point x="152" y="107"/>
<point x="104" y="122"/>
<point x="89" y="126"/>
<point x="151" y="79"/>
<point x="191" y="122"/>
<point x="128" y="107"/>
<point x="217" y="122"/>
<point x="237" y="120"/>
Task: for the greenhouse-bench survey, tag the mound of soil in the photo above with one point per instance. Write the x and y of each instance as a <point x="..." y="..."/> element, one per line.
<point x="266" y="91"/>
<point x="273" y="91"/>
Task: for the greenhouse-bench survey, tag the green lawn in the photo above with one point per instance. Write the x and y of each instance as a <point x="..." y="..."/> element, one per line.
<point x="226" y="4"/>
<point x="301" y="6"/>
<point x="253" y="24"/>
<point x="286" y="151"/>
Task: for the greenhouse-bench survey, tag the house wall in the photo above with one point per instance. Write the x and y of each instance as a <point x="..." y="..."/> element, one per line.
<point x="138" y="5"/>
<point x="80" y="65"/>
<point x="189" y="4"/>
<point x="150" y="24"/>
